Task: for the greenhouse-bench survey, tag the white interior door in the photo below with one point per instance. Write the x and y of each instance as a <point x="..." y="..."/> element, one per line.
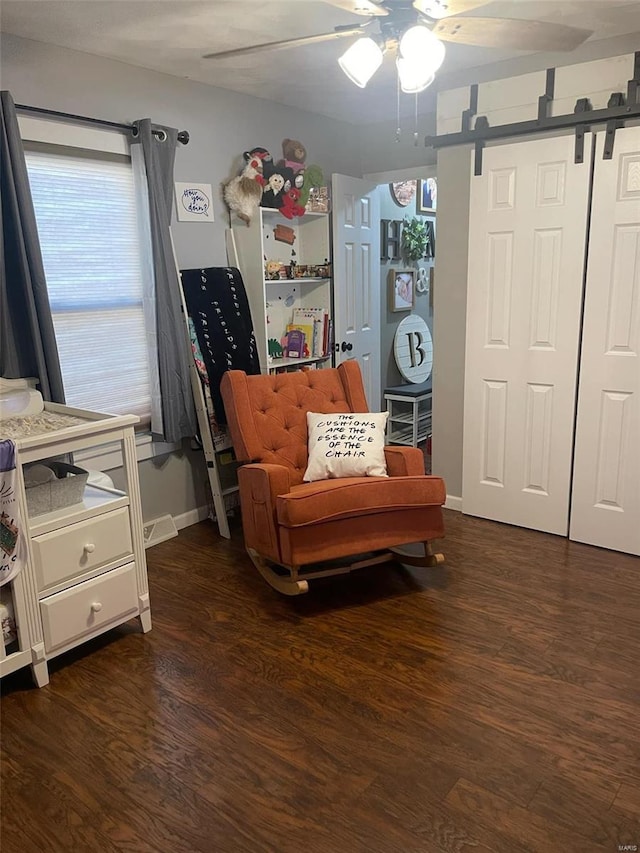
<point x="526" y="261"/>
<point x="356" y="278"/>
<point x="605" y="507"/>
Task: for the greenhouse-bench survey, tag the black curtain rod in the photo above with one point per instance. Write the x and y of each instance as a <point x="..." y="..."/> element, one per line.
<point x="183" y="135"/>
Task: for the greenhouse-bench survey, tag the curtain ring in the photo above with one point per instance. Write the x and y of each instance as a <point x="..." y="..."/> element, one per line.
<point x="161" y="134"/>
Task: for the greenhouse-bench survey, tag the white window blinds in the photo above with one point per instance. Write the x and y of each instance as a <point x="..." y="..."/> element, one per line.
<point x="90" y="234"/>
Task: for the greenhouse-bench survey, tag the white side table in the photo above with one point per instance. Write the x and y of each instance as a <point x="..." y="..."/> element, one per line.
<point x="409" y="408"/>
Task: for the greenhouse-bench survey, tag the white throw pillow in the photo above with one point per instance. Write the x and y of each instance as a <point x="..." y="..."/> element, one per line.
<point x="346" y="445"/>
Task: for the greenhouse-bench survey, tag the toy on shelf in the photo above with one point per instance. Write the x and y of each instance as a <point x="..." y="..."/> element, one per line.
<point x="313" y="178"/>
<point x="244" y="192"/>
<point x="294" y="154"/>
<point x="290" y="206"/>
<point x="275" y="349"/>
<point x="272" y="270"/>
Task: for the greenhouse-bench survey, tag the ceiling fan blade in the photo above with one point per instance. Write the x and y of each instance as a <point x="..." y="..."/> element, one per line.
<point x="445" y="8"/>
<point x="360" y="7"/>
<point x="504" y="32"/>
<point x="339" y="32"/>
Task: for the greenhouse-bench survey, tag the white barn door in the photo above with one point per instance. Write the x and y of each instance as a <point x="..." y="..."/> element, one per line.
<point x="526" y="262"/>
<point x="606" y="484"/>
<point x="356" y="279"/>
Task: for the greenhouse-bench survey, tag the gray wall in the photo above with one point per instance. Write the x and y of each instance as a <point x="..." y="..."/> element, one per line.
<point x="174" y="484"/>
<point x="449" y="307"/>
<point x="222" y="125"/>
<point x="380" y="152"/>
<point x="389" y="373"/>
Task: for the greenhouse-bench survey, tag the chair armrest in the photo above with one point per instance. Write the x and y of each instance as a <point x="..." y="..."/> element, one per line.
<point x="404" y="461"/>
<point x="267" y="481"/>
<point x="260" y="485"/>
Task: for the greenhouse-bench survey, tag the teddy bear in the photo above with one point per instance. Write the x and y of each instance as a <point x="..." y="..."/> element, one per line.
<point x="294" y="155"/>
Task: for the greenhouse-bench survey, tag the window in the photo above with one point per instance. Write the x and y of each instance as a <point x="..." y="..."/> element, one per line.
<point x="95" y="261"/>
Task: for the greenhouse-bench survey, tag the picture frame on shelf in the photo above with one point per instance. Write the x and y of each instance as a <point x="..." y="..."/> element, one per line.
<point x="427" y="196"/>
<point x="402" y="289"/>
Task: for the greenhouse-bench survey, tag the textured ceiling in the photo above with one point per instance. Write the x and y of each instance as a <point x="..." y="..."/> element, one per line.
<point x="172" y="35"/>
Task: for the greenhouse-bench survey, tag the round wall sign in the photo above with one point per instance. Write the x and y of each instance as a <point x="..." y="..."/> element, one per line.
<point x="413" y="349"/>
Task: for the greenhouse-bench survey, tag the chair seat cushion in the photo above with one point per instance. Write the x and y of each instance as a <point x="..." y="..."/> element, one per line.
<point x="328" y="500"/>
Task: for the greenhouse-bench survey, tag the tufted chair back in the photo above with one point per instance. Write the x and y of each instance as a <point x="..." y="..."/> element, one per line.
<point x="267" y="415"/>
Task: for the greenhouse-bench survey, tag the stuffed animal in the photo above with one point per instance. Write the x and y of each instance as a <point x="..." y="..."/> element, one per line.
<point x="272" y="190"/>
<point x="244" y="192"/>
<point x="294" y="155"/>
<point x="268" y="166"/>
<point x="312" y="178"/>
<point x="290" y="206"/>
<point x="275" y="349"/>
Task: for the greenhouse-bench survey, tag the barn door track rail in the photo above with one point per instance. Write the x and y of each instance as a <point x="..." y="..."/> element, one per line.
<point x="620" y="108"/>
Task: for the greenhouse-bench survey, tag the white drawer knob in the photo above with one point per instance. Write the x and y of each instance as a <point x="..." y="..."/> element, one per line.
<point x="89" y="547"/>
<point x="96" y="606"/>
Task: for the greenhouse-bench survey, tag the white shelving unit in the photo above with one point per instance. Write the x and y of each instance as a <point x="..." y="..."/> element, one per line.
<point x="272" y="302"/>
<point x="409" y="408"/>
<point x="85" y="570"/>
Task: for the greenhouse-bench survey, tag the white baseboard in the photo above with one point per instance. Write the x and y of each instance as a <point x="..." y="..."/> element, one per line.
<point x="453" y="502"/>
<point x="193" y="516"/>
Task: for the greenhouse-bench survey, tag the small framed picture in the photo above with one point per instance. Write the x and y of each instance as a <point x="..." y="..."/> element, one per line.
<point x="193" y="202"/>
<point x="427" y="197"/>
<point x="403" y="192"/>
<point x="402" y="290"/>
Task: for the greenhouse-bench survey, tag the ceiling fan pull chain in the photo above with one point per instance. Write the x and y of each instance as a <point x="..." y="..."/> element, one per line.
<point x="415" y="124"/>
<point x="398" y="131"/>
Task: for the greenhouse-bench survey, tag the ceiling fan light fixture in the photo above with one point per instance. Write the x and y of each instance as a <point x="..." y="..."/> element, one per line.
<point x="361" y="61"/>
<point x="434" y="8"/>
<point x="419" y="44"/>
<point x="414" y="76"/>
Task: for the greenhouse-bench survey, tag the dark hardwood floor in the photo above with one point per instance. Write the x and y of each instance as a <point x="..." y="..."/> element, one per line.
<point x="488" y="705"/>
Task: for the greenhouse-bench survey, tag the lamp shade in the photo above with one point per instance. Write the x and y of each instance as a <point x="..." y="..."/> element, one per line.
<point x="419" y="44"/>
<point x="361" y="61"/>
<point x="414" y="76"/>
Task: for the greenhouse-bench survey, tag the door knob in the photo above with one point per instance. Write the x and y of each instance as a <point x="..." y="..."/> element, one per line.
<point x="349" y="347"/>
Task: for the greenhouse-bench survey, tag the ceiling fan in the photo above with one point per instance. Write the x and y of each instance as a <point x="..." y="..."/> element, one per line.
<point x="416" y="29"/>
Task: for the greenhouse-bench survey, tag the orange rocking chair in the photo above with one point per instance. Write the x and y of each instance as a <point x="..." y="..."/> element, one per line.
<point x="289" y="525"/>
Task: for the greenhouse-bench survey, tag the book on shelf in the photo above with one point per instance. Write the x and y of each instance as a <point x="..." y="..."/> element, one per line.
<point x="317" y="319"/>
<point x="307" y="331"/>
<point x="295" y="343"/>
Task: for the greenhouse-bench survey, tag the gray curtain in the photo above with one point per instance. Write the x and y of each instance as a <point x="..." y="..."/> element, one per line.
<point x="178" y="410"/>
<point x="27" y="338"/>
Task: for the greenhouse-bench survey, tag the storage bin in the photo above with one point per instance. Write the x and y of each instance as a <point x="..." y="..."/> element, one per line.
<point x="65" y="490"/>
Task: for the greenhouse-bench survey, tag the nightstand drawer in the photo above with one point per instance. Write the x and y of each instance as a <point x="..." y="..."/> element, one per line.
<point x="78" y="548"/>
<point x="89" y="607"/>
